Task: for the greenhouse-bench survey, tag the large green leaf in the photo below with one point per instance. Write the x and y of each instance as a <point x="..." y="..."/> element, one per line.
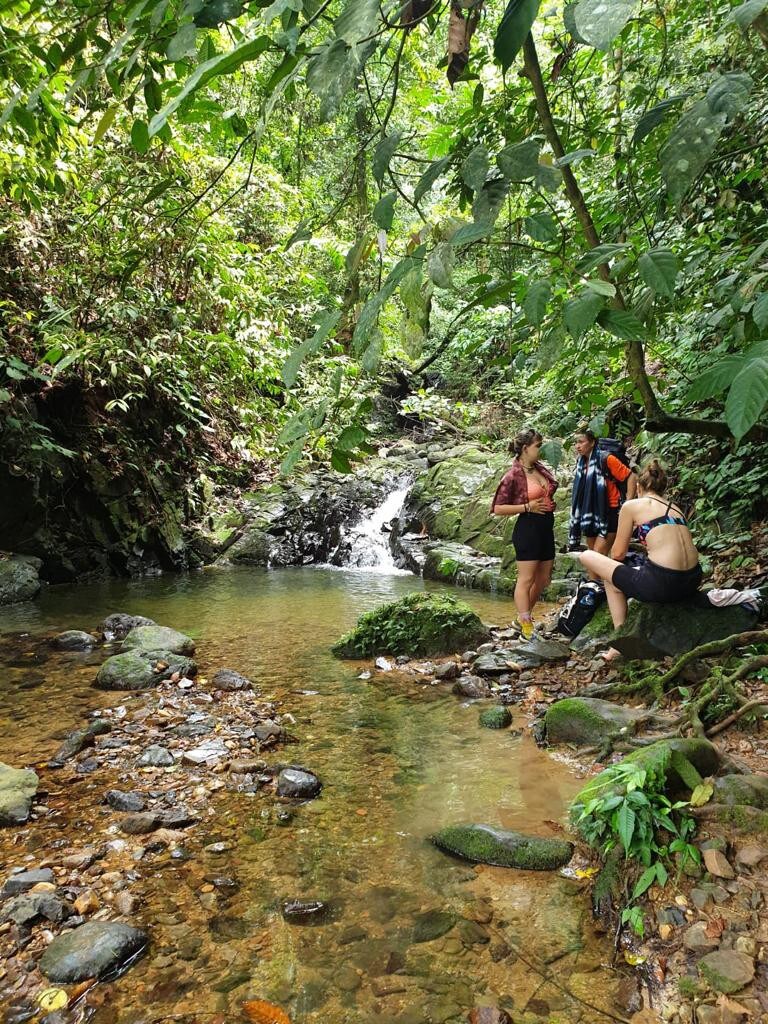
<point x="689" y="147"/>
<point x="622" y="323"/>
<point x="291" y="365"/>
<point x="601" y="287"/>
<point x="548" y="177"/>
<point x="581" y="312"/>
<point x="382" y="155"/>
<point x="358" y="21"/>
<point x="471" y="233"/>
<point x="520" y="160"/>
<point x="223" y="64"/>
<point x="659" y="269"/>
<point x="278" y="8"/>
<point x="535" y="301"/>
<point x="747" y="397"/>
<point x="513" y="28"/>
<point x="474" y="170"/>
<point x="440" y="265"/>
<point x="716" y="379"/>
<point x="600" y="254"/>
<point x="654" y="117"/>
<point x="292" y="457"/>
<point x="760" y="311"/>
<point x="326" y="66"/>
<point x="411" y="294"/>
<point x="384" y="211"/>
<point x="626" y="825"/>
<point x="489" y="200"/>
<point x="429" y="177"/>
<point x="371" y="309"/>
<point x="569" y="20"/>
<point x="216" y="12"/>
<point x="600" y="21"/>
<point x="371" y="357"/>
<point x="541" y="227"/>
<point x="729" y="94"/>
<point x="140" y="136"/>
<point x="745" y="14"/>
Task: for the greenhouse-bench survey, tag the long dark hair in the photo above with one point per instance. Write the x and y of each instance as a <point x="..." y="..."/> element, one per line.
<point x="523" y="439"/>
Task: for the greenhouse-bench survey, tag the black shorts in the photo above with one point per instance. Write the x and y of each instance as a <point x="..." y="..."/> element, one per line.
<point x="655" y="584"/>
<point x="534" y="537"/>
<point x="612" y="518"/>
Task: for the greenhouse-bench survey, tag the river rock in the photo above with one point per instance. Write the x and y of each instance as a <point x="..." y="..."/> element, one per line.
<point x="486" y="844"/>
<point x="489" y="1015"/>
<point x="742" y="789"/>
<point x="432" y="924"/>
<point x="298" y="784"/>
<point x="656" y="630"/>
<point x="727" y="971"/>
<point x="472" y="686"/>
<point x="494" y="663"/>
<point x="91" y="951"/>
<point x="158" y="638"/>
<point x="141" y="670"/>
<point x="141" y="823"/>
<point x="227" y="679"/>
<point x="79" y="739"/>
<point x="495" y="718"/>
<point x="420" y="624"/>
<point x="587" y="721"/>
<point x="19" y="579"/>
<point x="25" y="880"/>
<point x="208" y="753"/>
<point x="74" y="640"/>
<point x="156" y="757"/>
<point x="697" y="940"/>
<point x="31" y="906"/>
<point x="17" y="790"/>
<point x="118" y="625"/>
<point x="448" y="670"/>
<point x="537" y="652"/>
<point x="717" y="864"/>
<point x="120" y="801"/>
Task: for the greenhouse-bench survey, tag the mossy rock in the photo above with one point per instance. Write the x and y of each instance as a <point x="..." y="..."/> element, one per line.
<point x="670" y="765"/>
<point x="484" y="844"/>
<point x="418" y="624"/>
<point x="496" y="718"/>
<point x="659" y="630"/>
<point x="587" y="720"/>
<point x="727" y="971"/>
<point x="141" y="670"/>
<point x="19" y="579"/>
<point x="158" y="638"/>
<point x="17" y="790"/>
<point x="751" y="790"/>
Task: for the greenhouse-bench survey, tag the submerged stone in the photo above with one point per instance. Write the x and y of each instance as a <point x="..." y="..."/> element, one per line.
<point x="587" y="720"/>
<point x="496" y="718"/>
<point x="141" y="670"/>
<point x="227" y="679"/>
<point x="298" y="784"/>
<point x="304" y="911"/>
<point x="24" y="880"/>
<point x="485" y="844"/>
<point x="91" y="951"/>
<point x="17" y="790"/>
<point x="432" y="925"/>
<point x="156" y="757"/>
<point x="30" y="906"/>
<point x="74" y="640"/>
<point x="79" y="739"/>
<point x="158" y="638"/>
<point x="418" y="624"/>
<point x="120" y="801"/>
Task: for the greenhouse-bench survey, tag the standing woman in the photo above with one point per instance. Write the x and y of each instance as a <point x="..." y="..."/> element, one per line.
<point x="670" y="573"/>
<point x="526" y="491"/>
<point x="596" y="497"/>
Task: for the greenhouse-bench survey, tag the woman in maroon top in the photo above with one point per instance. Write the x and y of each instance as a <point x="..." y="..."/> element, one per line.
<point x="526" y="491"/>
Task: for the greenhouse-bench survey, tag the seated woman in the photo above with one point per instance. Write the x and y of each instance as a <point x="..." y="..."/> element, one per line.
<point x="670" y="573"/>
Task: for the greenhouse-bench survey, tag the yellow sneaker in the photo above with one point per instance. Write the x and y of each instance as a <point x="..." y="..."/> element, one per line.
<point x="526" y="629"/>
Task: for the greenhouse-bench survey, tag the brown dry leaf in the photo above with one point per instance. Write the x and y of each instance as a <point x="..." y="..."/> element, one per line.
<point x="461" y="28"/>
<point x="260" y="1012"/>
<point x="80" y="990"/>
<point x="715" y="927"/>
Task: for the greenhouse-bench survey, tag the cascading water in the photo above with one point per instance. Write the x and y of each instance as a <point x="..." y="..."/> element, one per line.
<point x="369" y="540"/>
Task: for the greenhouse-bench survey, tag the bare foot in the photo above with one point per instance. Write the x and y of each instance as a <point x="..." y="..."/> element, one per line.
<point x="610" y="655"/>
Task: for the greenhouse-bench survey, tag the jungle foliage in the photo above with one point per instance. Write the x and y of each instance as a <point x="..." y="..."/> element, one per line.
<point x="248" y="210"/>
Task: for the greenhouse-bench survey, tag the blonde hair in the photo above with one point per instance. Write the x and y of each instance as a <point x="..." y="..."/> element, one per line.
<point x="653" y="477"/>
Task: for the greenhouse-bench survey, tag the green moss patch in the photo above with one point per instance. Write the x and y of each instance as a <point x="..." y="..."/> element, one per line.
<point x="586" y="720"/>
<point x="419" y="624"/>
<point x="496" y="718"/>
<point x="484" y="844"/>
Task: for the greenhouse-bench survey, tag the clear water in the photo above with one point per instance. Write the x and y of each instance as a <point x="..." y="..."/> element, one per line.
<point x="398" y="758"/>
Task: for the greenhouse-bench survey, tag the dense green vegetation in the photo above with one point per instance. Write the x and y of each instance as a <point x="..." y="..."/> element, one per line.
<point x="247" y="214"/>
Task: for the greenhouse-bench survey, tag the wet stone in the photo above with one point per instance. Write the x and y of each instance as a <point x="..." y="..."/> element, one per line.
<point x="141" y="823"/>
<point x="74" y="640"/>
<point x="304" y="911"/>
<point x="91" y="951"/>
<point x="31" y="906"/>
<point x="472" y="686"/>
<point x="118" y="625"/>
<point x="120" y="801"/>
<point x="156" y="757"/>
<point x="432" y="925"/>
<point x="352" y="934"/>
<point x="727" y="971"/>
<point x="347" y="980"/>
<point x="697" y="940"/>
<point x="227" y="679"/>
<point x="298" y="784"/>
<point x="24" y="880"/>
<point x="195" y="726"/>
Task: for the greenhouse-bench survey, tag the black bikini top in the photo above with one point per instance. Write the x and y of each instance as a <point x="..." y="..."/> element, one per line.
<point x="641" y="532"/>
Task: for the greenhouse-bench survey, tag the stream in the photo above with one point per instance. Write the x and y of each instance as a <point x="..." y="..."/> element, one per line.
<point x="412" y="935"/>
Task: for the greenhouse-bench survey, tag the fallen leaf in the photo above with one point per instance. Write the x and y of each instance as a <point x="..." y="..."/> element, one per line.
<point x="715" y="927"/>
<point x="52" y="999"/>
<point x="634" y="959"/>
<point x="260" y="1012"/>
<point x="80" y="990"/>
<point x="585" y="872"/>
<point x="702" y="794"/>
<point x="361" y="811"/>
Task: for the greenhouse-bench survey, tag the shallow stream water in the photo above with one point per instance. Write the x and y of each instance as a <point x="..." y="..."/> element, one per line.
<point x="398" y="758"/>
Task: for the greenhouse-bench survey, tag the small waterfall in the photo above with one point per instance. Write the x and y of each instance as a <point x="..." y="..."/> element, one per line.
<point x="369" y="540"/>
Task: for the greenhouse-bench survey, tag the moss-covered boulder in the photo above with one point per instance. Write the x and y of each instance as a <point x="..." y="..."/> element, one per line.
<point x="17" y="790"/>
<point x="418" y="624"/>
<point x="19" y="579"/>
<point x="751" y="790"/>
<point x="141" y="670"/>
<point x="464" y="567"/>
<point x="495" y="718"/>
<point x="727" y="970"/>
<point x="485" y="844"/>
<point x="158" y="638"/>
<point x="587" y="720"/>
<point x="658" y="630"/>
<point x="669" y="765"/>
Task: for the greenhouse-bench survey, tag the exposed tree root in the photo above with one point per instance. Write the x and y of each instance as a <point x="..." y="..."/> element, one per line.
<point x="707" y="650"/>
<point x="727" y="722"/>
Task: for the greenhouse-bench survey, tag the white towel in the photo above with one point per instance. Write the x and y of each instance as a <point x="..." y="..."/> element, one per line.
<point x="723" y="597"/>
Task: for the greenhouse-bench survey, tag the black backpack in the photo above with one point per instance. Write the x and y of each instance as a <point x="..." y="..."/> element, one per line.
<point x="611" y="446"/>
<point x="580" y="609"/>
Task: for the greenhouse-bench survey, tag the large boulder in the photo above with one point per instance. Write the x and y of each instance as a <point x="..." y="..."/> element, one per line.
<point x="463" y="566"/>
<point x="659" y="630"/>
<point x="17" y="790"/>
<point x="141" y="670"/>
<point x="91" y="951"/>
<point x="742" y="789"/>
<point x="486" y="844"/>
<point x="418" y="625"/>
<point x="670" y="765"/>
<point x="19" y="578"/>
<point x="158" y="638"/>
<point x="587" y="720"/>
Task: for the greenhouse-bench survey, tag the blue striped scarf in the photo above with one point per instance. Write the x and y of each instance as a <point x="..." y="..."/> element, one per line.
<point x="589" y="501"/>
